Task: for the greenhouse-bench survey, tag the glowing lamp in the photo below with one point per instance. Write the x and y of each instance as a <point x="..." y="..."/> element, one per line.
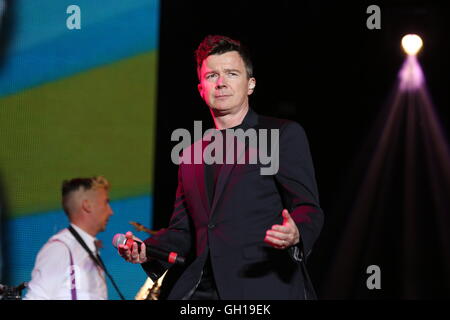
<point x="412" y="43"/>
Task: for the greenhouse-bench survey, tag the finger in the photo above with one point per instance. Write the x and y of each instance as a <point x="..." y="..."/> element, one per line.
<point x="124" y="252"/>
<point x="122" y="249"/>
<point x="270" y="241"/>
<point x="287" y="239"/>
<point x="280" y="228"/>
<point x="274" y="242"/>
<point x="278" y="235"/>
<point x="135" y="252"/>
<point x="142" y="254"/>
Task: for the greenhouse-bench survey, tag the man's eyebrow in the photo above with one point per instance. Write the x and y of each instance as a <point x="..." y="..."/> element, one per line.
<point x="227" y="70"/>
<point x="233" y="70"/>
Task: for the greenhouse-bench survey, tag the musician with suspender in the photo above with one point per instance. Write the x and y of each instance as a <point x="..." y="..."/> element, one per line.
<point x="68" y="266"/>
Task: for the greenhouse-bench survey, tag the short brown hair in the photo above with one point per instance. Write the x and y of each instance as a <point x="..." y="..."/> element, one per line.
<point x="216" y="44"/>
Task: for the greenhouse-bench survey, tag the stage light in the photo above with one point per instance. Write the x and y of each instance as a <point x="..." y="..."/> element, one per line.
<point x="412" y="43"/>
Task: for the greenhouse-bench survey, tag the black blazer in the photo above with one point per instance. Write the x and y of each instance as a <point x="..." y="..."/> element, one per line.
<point x="232" y="230"/>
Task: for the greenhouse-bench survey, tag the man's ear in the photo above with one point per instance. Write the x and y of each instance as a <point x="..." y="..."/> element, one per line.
<point x="200" y="90"/>
<point x="251" y="85"/>
<point x="86" y="205"/>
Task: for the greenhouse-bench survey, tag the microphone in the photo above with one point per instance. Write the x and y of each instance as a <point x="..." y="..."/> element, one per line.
<point x="153" y="252"/>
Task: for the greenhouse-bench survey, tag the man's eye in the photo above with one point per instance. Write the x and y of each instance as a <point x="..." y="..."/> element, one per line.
<point x="210" y="76"/>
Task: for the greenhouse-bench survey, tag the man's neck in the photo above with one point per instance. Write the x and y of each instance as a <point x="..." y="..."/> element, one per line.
<point x="85" y="228"/>
<point x="229" y="120"/>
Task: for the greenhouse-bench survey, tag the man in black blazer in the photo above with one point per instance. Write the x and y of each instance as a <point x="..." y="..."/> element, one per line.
<point x="248" y="233"/>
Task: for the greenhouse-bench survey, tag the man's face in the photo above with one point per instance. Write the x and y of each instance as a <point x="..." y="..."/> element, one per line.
<point x="101" y="210"/>
<point x="224" y="84"/>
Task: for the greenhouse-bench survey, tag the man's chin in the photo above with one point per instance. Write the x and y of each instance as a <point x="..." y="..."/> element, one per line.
<point x="220" y="109"/>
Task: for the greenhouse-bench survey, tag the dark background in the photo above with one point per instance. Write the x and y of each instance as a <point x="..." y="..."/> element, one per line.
<point x="317" y="63"/>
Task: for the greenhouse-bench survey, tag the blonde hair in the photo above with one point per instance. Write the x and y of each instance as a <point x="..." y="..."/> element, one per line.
<point x="100" y="182"/>
<point x="75" y="184"/>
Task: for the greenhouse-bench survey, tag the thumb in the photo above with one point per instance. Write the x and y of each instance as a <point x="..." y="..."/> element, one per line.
<point x="286" y="216"/>
<point x="129" y="235"/>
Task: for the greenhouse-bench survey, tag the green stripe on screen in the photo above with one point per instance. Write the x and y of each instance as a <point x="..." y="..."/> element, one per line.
<point x="97" y="122"/>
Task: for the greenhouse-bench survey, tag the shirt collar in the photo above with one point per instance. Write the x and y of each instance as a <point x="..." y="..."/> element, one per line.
<point x="87" y="238"/>
<point x="250" y="120"/>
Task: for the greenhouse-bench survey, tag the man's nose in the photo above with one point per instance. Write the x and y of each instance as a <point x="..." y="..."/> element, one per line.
<point x="221" y="83"/>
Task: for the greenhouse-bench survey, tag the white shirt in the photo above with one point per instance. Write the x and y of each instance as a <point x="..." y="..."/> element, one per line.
<point x="51" y="274"/>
